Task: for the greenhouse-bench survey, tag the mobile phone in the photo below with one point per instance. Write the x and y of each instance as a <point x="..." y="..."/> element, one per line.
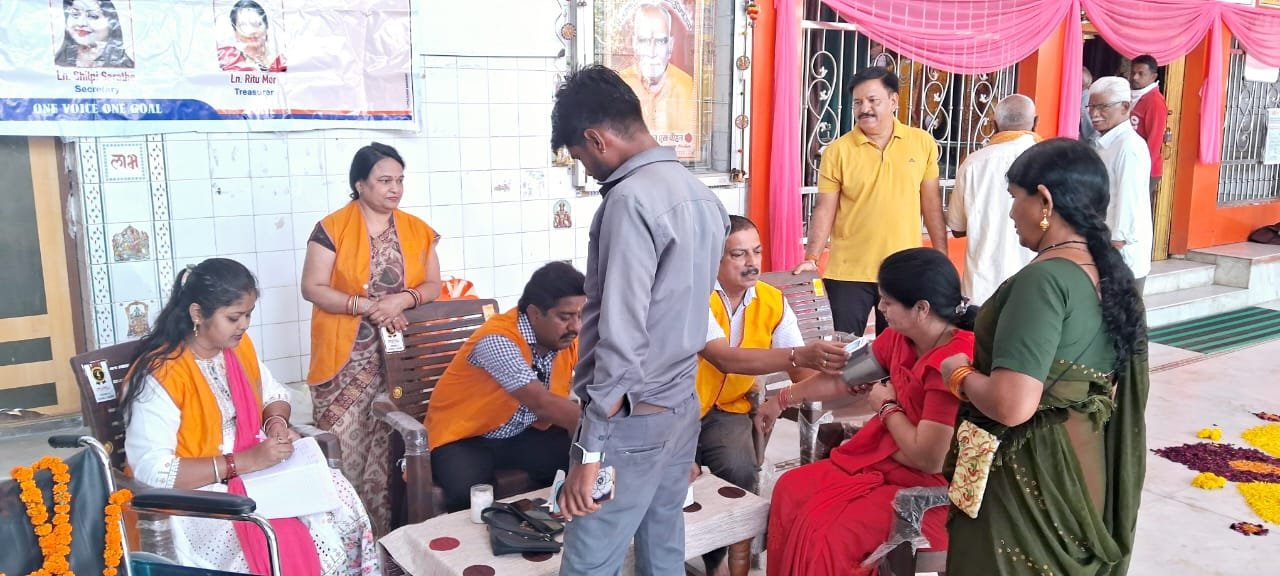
<point x="603" y="490"/>
<point x="538" y="517"/>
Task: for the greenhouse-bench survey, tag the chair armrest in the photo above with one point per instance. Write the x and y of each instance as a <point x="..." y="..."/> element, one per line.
<point x="413" y="432"/>
<point x="417" y="460"/>
<point x="193" y="502"/>
<point x="328" y="442"/>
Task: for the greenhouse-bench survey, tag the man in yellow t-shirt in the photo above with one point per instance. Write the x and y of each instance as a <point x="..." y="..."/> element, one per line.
<point x="665" y="91"/>
<point x="874" y="185"/>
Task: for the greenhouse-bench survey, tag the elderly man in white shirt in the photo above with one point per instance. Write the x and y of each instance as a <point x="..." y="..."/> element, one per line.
<point x="979" y="205"/>
<point x="1129" y="168"/>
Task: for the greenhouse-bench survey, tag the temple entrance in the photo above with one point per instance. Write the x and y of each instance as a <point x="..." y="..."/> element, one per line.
<point x="1103" y="60"/>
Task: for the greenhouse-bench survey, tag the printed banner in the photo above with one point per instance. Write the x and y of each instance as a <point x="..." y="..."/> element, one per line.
<point x="119" y="67"/>
<point x="656" y="47"/>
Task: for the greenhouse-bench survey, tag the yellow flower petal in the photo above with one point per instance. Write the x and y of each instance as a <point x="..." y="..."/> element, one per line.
<point x="1208" y="481"/>
<point x="1265" y="438"/>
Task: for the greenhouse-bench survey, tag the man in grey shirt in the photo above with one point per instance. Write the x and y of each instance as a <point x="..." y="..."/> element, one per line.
<point x="655" y="248"/>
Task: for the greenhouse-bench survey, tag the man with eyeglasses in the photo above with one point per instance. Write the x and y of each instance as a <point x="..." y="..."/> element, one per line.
<point x="665" y="91"/>
<point x="1129" y="169"/>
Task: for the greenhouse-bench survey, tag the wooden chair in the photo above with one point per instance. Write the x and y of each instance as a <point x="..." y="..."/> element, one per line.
<point x="435" y="334"/>
<point x="100" y="376"/>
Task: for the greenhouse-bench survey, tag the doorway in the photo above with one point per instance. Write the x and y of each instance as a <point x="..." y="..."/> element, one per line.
<point x="37" y="323"/>
<point x="1103" y="60"/>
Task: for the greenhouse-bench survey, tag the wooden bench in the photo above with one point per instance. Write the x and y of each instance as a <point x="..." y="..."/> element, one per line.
<point x="451" y="545"/>
<point x="435" y="334"/>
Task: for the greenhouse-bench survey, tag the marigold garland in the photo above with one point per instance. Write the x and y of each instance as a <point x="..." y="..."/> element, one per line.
<point x="1264" y="498"/>
<point x="54" y="537"/>
<point x="1265" y="438"/>
<point x="1208" y="481"/>
<point x="114" y="545"/>
<point x="1212" y="433"/>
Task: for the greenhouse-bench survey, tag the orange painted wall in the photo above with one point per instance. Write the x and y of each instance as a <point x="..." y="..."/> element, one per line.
<point x="762" y="48"/>
<point x="1198" y="222"/>
<point x="1039" y="77"/>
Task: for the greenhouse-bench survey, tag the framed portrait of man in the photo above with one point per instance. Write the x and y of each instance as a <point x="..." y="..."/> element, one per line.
<point x="655" y="46"/>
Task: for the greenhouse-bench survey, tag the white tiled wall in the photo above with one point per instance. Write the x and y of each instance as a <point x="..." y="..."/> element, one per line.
<point x="480" y="173"/>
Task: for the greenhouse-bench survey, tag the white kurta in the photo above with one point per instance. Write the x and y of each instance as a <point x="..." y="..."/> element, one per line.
<point x="1129" y="214"/>
<point x="343" y="537"/>
<point x="979" y="207"/>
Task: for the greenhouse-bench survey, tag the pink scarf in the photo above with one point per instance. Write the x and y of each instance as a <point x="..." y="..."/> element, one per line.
<point x="298" y="555"/>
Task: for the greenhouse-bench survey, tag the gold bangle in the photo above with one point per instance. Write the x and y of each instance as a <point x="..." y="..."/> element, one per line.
<point x="955" y="382"/>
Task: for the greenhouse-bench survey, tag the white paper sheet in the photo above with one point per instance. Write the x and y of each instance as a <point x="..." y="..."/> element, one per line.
<point x="299" y="486"/>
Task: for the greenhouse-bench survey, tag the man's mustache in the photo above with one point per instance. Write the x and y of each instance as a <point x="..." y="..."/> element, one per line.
<point x="750" y="271"/>
<point x="569" y="336"/>
<point x="868" y="115"/>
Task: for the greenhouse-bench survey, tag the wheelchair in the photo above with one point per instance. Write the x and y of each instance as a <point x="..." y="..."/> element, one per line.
<point x="92" y="482"/>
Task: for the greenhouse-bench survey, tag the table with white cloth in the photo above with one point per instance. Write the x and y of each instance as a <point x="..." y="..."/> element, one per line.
<point x="451" y="545"/>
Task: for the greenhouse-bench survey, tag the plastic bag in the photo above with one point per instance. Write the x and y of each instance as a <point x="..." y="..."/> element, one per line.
<point x="909" y="507"/>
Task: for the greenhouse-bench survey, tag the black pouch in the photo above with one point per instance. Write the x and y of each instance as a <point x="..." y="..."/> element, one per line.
<point x="510" y="532"/>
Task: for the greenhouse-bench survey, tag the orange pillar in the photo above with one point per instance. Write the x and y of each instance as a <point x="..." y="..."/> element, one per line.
<point x="1039" y="78"/>
<point x="762" y="43"/>
<point x="1195" y="200"/>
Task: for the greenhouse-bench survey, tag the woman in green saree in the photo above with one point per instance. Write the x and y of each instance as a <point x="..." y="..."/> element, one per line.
<point x="1060" y="377"/>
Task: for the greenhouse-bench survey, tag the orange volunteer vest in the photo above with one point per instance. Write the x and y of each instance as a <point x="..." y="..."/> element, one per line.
<point x="467" y="401"/>
<point x="760" y="319"/>
<point x="334" y="335"/>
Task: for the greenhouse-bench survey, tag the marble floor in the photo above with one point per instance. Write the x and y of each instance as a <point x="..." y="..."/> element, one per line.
<point x="1181" y="529"/>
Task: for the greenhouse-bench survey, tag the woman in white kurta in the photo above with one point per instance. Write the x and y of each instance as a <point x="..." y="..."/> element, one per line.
<point x="343" y="537"/>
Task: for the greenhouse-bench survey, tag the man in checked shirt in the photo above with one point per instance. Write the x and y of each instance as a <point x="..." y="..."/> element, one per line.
<point x="503" y="401"/>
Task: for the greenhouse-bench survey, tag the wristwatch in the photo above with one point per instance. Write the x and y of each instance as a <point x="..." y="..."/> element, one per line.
<point x="580" y="455"/>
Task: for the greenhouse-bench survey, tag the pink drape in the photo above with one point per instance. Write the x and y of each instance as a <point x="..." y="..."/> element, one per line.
<point x="967" y="37"/>
<point x="298" y="556"/>
<point x="785" y="226"/>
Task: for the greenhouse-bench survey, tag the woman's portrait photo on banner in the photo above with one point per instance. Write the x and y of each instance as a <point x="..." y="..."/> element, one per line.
<point x="92" y="33"/>
<point x="250" y="35"/>
<point x="653" y="45"/>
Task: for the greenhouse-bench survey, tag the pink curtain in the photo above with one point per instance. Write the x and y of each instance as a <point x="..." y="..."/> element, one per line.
<point x="1170" y="29"/>
<point x="967" y="37"/>
<point x="785" y="218"/>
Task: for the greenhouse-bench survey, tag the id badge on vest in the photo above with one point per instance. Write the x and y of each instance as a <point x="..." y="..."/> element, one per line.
<point x="392" y="341"/>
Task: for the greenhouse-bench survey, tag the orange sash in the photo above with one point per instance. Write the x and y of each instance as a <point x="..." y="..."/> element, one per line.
<point x="467" y="401"/>
<point x="334" y="335"/>
<point x="200" y="430"/>
<point x="1011" y="135"/>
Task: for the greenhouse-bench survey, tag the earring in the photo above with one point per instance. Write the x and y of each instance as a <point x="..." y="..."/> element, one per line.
<point x="195" y="328"/>
<point x="1044" y="221"/>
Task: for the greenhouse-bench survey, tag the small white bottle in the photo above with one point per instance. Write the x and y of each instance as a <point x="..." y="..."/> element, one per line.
<point x="481" y="498"/>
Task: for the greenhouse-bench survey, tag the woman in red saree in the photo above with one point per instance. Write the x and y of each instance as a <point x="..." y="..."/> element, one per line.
<point x="829" y="516"/>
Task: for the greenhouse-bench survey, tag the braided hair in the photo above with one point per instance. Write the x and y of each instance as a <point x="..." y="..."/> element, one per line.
<point x="213" y="284"/>
<point x="1076" y="176"/>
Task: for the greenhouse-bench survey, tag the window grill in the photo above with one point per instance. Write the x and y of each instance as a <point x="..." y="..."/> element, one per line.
<point x="1243" y="177"/>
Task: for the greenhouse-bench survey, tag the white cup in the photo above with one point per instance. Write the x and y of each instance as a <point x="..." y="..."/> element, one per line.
<point x="481" y="498"/>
